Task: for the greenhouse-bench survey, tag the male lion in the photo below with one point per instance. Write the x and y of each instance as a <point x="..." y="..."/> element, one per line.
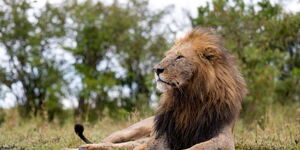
<point x="202" y="92"/>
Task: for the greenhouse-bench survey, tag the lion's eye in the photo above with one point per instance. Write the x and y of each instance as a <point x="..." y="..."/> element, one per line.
<point x="208" y="57"/>
<point x="179" y="57"/>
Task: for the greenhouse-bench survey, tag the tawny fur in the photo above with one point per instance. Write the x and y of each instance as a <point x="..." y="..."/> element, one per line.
<point x="209" y="95"/>
<point x="202" y="93"/>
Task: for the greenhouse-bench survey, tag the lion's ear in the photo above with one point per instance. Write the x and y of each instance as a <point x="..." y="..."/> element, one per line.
<point x="210" y="52"/>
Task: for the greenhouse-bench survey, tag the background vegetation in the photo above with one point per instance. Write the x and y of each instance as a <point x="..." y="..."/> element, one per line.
<point x="101" y="56"/>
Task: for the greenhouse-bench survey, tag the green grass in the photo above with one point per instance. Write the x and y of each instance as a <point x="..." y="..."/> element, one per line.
<point x="278" y="129"/>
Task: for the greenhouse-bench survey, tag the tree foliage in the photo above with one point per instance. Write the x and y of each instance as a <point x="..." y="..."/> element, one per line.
<point x="113" y="46"/>
<point x="116" y="47"/>
<point x="34" y="78"/>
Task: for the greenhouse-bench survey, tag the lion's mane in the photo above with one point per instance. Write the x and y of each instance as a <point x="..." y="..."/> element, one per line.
<point x="212" y="99"/>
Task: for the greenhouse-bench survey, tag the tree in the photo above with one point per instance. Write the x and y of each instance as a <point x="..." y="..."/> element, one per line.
<point x="116" y="46"/>
<point x="26" y="39"/>
<point x="266" y="40"/>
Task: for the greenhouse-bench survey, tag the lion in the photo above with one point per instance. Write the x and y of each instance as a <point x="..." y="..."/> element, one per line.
<point x="202" y="90"/>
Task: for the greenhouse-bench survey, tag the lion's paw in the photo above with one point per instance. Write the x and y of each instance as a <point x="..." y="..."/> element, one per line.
<point x="101" y="146"/>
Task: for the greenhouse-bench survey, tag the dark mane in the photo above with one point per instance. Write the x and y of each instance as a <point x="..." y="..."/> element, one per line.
<point x="201" y="123"/>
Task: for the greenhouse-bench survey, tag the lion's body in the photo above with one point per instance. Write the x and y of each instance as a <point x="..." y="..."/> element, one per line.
<point x="211" y="98"/>
<point x="202" y="92"/>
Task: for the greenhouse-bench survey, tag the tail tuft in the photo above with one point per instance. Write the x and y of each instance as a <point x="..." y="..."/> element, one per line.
<point x="79" y="131"/>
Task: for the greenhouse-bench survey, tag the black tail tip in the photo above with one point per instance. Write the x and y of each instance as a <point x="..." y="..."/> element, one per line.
<point x="79" y="131"/>
<point x="78" y="128"/>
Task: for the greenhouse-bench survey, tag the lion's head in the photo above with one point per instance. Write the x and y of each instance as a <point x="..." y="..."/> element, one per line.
<point x="202" y="89"/>
<point x="198" y="59"/>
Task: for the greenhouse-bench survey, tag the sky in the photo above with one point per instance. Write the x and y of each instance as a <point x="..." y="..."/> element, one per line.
<point x="179" y="10"/>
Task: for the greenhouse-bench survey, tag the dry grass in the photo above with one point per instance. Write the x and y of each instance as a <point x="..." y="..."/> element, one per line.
<point x="278" y="129"/>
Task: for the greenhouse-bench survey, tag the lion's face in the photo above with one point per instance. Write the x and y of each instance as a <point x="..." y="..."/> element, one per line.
<point x="176" y="69"/>
<point x="188" y="61"/>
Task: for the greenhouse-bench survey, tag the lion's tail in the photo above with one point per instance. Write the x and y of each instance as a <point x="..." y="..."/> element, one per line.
<point x="79" y="131"/>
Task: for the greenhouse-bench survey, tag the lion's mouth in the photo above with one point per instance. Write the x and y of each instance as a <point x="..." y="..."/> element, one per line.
<point x="168" y="83"/>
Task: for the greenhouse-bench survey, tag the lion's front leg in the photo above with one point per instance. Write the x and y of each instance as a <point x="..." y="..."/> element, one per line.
<point x="214" y="144"/>
<point x="108" y="146"/>
<point x="224" y="141"/>
<point x="128" y="138"/>
<point x="135" y="131"/>
<point x="154" y="144"/>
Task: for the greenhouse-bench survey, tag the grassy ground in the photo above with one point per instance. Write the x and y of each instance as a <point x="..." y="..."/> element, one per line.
<point x="278" y="129"/>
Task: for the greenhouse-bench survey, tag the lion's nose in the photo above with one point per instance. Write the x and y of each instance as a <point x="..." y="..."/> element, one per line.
<point x="158" y="70"/>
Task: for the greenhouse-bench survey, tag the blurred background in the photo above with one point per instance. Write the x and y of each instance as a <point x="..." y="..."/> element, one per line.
<point x="86" y="59"/>
<point x="90" y="61"/>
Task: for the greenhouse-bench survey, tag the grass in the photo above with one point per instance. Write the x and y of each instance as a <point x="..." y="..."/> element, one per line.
<point x="279" y="128"/>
